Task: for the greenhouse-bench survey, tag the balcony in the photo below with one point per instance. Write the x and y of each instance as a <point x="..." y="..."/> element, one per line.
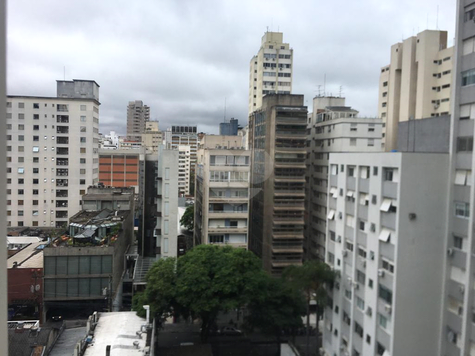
<point x="299" y="192"/>
<point x="62" y="140"/>
<point x="61" y="203"/>
<point x="62" y="161"/>
<point x="62" y="183"/>
<point x="64" y="119"/>
<point x="61" y="214"/>
<point x="288" y="235"/>
<point x="62" y="150"/>
<point x="222" y="214"/>
<point x="62" y="172"/>
<point x="61" y="193"/>
<point x="62" y="129"/>
<point x="227" y="229"/>
<point x="62" y="108"/>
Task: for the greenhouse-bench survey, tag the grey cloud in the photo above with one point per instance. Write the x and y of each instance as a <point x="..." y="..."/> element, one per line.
<point x="182" y="58"/>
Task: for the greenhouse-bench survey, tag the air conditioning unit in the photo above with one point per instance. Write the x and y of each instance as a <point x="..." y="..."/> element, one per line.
<point x="381" y="272"/>
<point x="388" y="308"/>
<point x="339" y="238"/>
<point x="345" y="253"/>
<point x="369" y="311"/>
<point x="450" y="251"/>
<point x="356" y="285"/>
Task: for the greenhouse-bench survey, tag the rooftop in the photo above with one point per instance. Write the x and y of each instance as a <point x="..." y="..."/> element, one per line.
<point x="105" y="217"/>
<point x="119" y="330"/>
<point x="341" y="108"/>
<point x="30" y="256"/>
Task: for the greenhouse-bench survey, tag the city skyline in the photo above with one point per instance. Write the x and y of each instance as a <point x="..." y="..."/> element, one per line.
<point x="186" y="81"/>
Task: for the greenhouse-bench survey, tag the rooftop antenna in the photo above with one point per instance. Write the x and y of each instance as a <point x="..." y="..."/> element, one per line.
<point x="324" y="83"/>
<point x="341" y="90"/>
<point x="319" y="90"/>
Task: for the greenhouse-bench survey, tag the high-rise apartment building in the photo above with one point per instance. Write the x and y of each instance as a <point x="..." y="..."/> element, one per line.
<point x="277" y="138"/>
<point x="457" y="329"/>
<point x="417" y="82"/>
<point x="229" y="128"/>
<point x="184" y="166"/>
<point x="176" y="136"/>
<point x="137" y="116"/>
<point x="386" y="218"/>
<point x="333" y="127"/>
<point x="270" y="70"/>
<point x="52" y="153"/>
<point x="166" y="229"/>
<point x="222" y="192"/>
<point x="152" y="137"/>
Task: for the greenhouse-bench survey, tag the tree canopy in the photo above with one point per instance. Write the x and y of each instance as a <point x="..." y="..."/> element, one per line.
<point x="188" y="218"/>
<point x="210" y="279"/>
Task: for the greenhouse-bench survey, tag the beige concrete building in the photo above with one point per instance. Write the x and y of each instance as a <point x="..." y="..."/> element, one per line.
<point x="270" y="70"/>
<point x="137" y="116"/>
<point x="52" y="153"/>
<point x="417" y="82"/>
<point x="222" y="192"/>
<point x="277" y="138"/>
<point x="184" y="166"/>
<point x="152" y="137"/>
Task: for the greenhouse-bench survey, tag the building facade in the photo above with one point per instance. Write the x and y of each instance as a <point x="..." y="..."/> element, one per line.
<point x="386" y="220"/>
<point x="222" y="195"/>
<point x="52" y="153"/>
<point x="152" y="137"/>
<point x="229" y="128"/>
<point x="277" y="139"/>
<point x="137" y="116"/>
<point x="120" y="167"/>
<point x="166" y="229"/>
<point x="270" y="70"/>
<point x="417" y="82"/>
<point x="457" y="330"/>
<point x="333" y="127"/>
<point x="184" y="168"/>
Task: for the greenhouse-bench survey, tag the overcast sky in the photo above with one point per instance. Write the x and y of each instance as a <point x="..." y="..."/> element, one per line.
<point x="184" y="57"/>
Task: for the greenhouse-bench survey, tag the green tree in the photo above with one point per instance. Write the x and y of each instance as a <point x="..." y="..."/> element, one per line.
<point x="276" y="306"/>
<point x="188" y="218"/>
<point x="211" y="279"/>
<point x="311" y="278"/>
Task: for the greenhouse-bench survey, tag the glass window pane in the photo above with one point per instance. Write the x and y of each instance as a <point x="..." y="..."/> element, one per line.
<point x="84" y="287"/>
<point x="106" y="264"/>
<point x="73" y="264"/>
<point x="72" y="287"/>
<point x="61" y="264"/>
<point x="95" y="288"/>
<point x="50" y="285"/>
<point x="50" y="265"/>
<point x="84" y="263"/>
<point x="95" y="265"/>
<point x="61" y="285"/>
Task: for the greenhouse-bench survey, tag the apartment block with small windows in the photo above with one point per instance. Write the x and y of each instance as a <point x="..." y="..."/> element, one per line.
<point x="386" y="231"/>
<point x="417" y="82"/>
<point x="222" y="193"/>
<point x="270" y="70"/>
<point x="277" y="137"/>
<point x="52" y="153"/>
<point x="332" y="127"/>
<point x="457" y="329"/>
<point x="184" y="166"/>
<point x="138" y="115"/>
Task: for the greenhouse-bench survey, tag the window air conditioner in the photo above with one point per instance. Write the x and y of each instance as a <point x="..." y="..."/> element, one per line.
<point x="381" y="272"/>
<point x="369" y="311"/>
<point x="388" y="308"/>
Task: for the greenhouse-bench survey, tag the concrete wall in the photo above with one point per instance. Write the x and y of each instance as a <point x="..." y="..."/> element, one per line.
<point x="424" y="135"/>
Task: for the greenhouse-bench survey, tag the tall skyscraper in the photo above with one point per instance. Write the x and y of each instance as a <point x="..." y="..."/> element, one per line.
<point x="457" y="331"/>
<point x="416" y="84"/>
<point x="277" y="141"/>
<point x="333" y="127"/>
<point x="137" y="116"/>
<point x="52" y="153"/>
<point x="270" y="69"/>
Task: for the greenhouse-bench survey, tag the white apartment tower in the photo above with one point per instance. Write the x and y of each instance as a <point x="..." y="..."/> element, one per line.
<point x="222" y="192"/>
<point x="457" y="333"/>
<point x="184" y="165"/>
<point x="417" y="82"/>
<point x="333" y="127"/>
<point x="137" y="116"/>
<point x="166" y="230"/>
<point x="386" y="231"/>
<point x="270" y="70"/>
<point x="52" y="153"/>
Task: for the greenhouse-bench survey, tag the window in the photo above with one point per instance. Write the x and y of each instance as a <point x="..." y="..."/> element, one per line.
<point x="82" y="181"/>
<point x="385" y="84"/>
<point x="390" y="174"/>
<point x="362" y="225"/>
<point x="383" y="321"/>
<point x="359" y="303"/>
<point x="83" y="107"/>
<point x="352" y="141"/>
<point x="82" y="139"/>
<point x="21" y="127"/>
<point x="458" y="242"/>
<point x="348" y="294"/>
<point x="361" y="252"/>
<point x="21" y="170"/>
<point x="462" y="210"/>
<point x="371" y="141"/>
<point x="467" y="46"/>
<point x="353" y="127"/>
<point x="375" y="171"/>
<point x="349" y="246"/>
<point x="36" y="159"/>
<point x="388" y="266"/>
<point x="385" y="294"/>
<point x="469" y="14"/>
<point x="468" y="77"/>
<point x="20" y="212"/>
<point x="360" y="277"/>
<point x="465" y="144"/>
<point x="82" y="150"/>
<point x="36" y="127"/>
